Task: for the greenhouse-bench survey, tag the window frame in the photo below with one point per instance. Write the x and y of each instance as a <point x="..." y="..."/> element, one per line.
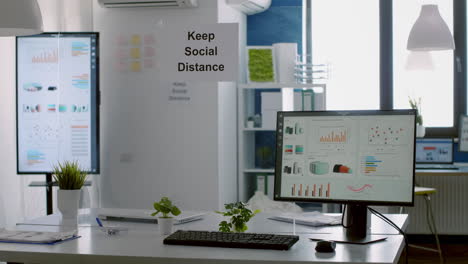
<point x="459" y="63"/>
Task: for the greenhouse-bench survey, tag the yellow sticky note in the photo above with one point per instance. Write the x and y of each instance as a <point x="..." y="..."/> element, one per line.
<point x="135" y="53"/>
<point x="136" y="40"/>
<point x="135" y="66"/>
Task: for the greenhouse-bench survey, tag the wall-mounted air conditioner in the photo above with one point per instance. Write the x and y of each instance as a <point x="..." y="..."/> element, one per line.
<point x="148" y="3"/>
<point x="250" y="7"/>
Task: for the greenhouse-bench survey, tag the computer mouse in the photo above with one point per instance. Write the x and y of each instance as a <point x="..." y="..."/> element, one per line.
<point x="325" y="246"/>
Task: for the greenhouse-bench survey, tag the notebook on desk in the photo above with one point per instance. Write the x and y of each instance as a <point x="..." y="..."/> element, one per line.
<point x="434" y="153"/>
<point x="141" y="215"/>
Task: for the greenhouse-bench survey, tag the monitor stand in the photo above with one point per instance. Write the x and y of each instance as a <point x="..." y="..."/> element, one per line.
<point x="355" y="222"/>
<point x="355" y="229"/>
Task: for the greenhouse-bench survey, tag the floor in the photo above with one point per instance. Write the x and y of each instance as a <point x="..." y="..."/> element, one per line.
<point x="453" y="254"/>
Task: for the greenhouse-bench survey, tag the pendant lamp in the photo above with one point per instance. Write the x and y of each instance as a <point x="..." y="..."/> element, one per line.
<point x="19" y="18"/>
<point x="430" y="32"/>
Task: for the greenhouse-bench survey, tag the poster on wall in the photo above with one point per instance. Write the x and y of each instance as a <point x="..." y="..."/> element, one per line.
<point x="57" y="101"/>
<point x="199" y="52"/>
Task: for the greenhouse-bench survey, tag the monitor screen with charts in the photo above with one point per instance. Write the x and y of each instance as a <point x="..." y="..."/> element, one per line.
<point x="57" y="101"/>
<point x="346" y="157"/>
<point x="434" y="150"/>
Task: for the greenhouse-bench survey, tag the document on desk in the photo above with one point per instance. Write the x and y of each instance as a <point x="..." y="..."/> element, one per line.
<point x="35" y="237"/>
<point x="311" y="219"/>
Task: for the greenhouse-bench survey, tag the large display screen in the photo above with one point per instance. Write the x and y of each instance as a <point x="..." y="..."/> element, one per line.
<point x="57" y="101"/>
<point x="346" y="156"/>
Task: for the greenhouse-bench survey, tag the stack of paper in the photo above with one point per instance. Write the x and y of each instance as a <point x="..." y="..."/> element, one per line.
<point x="34" y="236"/>
<point x="311" y="219"/>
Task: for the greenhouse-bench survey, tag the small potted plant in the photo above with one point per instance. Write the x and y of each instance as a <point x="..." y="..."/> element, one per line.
<point x="416" y="104"/>
<point x="239" y="216"/>
<point x="70" y="178"/>
<point x="165" y="222"/>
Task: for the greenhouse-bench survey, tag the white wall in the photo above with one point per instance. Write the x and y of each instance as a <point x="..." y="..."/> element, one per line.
<point x="17" y="200"/>
<point x="151" y="147"/>
<point x="10" y="197"/>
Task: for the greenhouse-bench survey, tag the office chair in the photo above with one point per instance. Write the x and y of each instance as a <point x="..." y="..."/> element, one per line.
<point x="426" y="192"/>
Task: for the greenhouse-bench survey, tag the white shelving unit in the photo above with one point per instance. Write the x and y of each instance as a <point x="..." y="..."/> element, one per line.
<point x="246" y="136"/>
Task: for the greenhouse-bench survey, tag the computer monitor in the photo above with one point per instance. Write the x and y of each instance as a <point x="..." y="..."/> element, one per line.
<point x="358" y="158"/>
<point x="57" y="101"/>
<point x="434" y="150"/>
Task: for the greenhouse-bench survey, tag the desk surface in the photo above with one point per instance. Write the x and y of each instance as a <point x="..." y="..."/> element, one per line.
<point x="143" y="244"/>
<point x="462" y="171"/>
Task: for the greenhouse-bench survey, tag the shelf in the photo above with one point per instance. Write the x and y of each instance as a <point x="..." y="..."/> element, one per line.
<point x="259" y="129"/>
<point x="257" y="170"/>
<point x="278" y="85"/>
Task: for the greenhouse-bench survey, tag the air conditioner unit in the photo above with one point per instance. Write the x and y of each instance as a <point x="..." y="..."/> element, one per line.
<point x="250" y="7"/>
<point x="148" y="3"/>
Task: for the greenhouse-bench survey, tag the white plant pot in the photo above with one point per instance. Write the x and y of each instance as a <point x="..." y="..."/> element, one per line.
<point x="68" y="203"/>
<point x="165" y="225"/>
<point x="250" y="124"/>
<point x="420" y="131"/>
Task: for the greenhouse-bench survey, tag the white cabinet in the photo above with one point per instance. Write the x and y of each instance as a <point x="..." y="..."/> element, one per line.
<point x="256" y="145"/>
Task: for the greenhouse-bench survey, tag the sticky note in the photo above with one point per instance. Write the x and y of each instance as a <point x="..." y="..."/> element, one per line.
<point x="135" y="53"/>
<point x="136" y="40"/>
<point x="135" y="66"/>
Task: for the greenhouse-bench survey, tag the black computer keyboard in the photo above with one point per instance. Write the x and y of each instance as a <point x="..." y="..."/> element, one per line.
<point x="231" y="240"/>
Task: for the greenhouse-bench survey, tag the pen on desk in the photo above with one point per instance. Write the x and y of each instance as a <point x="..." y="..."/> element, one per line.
<point x="99" y="221"/>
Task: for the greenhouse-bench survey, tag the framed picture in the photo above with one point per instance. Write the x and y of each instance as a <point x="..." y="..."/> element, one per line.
<point x="260" y="64"/>
<point x="463" y="134"/>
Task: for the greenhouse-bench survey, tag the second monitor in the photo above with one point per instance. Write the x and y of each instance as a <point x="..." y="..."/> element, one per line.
<point x="358" y="158"/>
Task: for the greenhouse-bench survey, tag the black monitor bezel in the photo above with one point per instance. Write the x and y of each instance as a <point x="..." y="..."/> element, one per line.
<point x="432" y="162"/>
<point x="97" y="98"/>
<point x="279" y="154"/>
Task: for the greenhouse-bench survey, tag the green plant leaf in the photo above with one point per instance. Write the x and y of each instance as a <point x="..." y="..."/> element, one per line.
<point x="165" y="207"/>
<point x="175" y="211"/>
<point x="69" y="175"/>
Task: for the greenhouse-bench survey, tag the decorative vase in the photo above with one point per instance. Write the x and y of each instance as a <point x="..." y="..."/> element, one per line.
<point x="165" y="225"/>
<point x="68" y="203"/>
<point x="420" y="131"/>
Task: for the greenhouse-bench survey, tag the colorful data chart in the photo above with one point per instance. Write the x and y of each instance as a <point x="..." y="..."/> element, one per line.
<point x="79" y="48"/>
<point x="51" y="108"/>
<point x="359" y="189"/>
<point x="340" y="168"/>
<point x="311" y="190"/>
<point x="32" y="87"/>
<point x="81" y="81"/>
<point x="299" y="149"/>
<point x="35" y="157"/>
<point x="370" y="164"/>
<point x="288" y="149"/>
<point x="387" y="135"/>
<point x="319" y="167"/>
<point x="333" y="135"/>
<point x="46" y="57"/>
<point x="80" y="141"/>
<point x="384" y="165"/>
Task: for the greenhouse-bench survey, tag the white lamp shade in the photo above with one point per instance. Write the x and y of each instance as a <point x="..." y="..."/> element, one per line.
<point x="430" y="32"/>
<point x="20" y="17"/>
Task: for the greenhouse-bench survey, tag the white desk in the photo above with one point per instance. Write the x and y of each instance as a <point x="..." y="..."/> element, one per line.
<point x="143" y="244"/>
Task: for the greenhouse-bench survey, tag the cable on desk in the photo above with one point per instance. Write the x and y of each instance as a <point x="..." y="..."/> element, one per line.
<point x="388" y="221"/>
